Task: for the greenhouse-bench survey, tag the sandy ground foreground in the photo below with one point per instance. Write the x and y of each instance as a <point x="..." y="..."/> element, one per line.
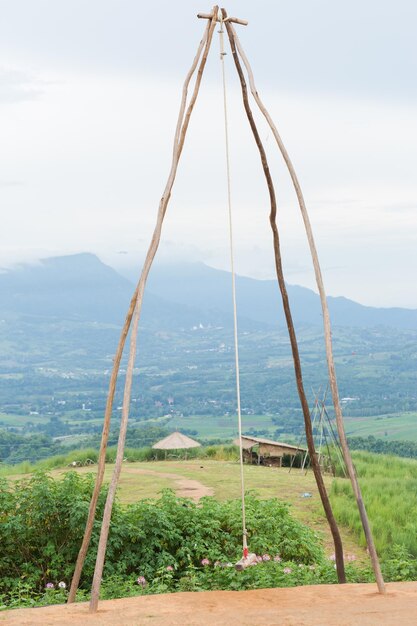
<point x="320" y="605"/>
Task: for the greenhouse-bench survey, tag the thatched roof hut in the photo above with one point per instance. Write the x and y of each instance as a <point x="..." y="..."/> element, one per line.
<point x="176" y="441"/>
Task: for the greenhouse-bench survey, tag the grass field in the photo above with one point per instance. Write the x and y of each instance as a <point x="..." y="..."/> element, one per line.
<point x="395" y="426"/>
<point x="390" y="427"/>
<point x="21" y="420"/>
<point x="224" y="427"/>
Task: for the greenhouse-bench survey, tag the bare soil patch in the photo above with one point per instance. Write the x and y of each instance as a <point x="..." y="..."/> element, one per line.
<point x="185" y="487"/>
<point x="319" y="605"/>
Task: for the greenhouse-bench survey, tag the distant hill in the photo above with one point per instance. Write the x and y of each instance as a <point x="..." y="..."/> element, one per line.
<point x="82" y="287"/>
<point x="260" y="300"/>
<point x="76" y="286"/>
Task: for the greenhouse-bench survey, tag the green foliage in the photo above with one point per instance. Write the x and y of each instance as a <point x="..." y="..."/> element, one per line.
<point x="118" y="586"/>
<point x="84" y="456"/>
<point x="42" y="521"/>
<point x="177" y="532"/>
<point x="222" y="452"/>
<point x="46" y="453"/>
<point x="277" y="574"/>
<point x="406" y="449"/>
<point x="14" y="447"/>
<point x="22" y="595"/>
<point x="400" y="565"/>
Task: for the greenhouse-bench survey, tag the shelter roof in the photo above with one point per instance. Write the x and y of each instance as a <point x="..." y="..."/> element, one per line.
<point x="176" y="441"/>
<point x="249" y="442"/>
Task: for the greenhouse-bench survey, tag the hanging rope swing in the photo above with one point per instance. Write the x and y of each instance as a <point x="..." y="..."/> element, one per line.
<point x="247" y="558"/>
<point x="133" y="316"/>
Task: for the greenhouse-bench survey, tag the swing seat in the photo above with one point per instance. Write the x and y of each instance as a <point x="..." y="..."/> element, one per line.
<point x="245" y="561"/>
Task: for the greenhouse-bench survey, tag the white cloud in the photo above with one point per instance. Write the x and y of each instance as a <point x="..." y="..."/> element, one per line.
<point x="84" y="164"/>
<point x="18" y="86"/>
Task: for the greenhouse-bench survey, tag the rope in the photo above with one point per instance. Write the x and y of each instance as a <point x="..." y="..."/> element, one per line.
<point x="232" y="267"/>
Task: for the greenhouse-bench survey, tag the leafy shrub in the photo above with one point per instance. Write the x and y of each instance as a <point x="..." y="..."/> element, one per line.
<point x="177" y="532"/>
<point x="222" y="452"/>
<point x="42" y="522"/>
<point x="400" y="565"/>
<point x="407" y="449"/>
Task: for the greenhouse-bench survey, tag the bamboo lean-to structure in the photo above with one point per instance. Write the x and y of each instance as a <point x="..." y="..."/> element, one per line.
<point x="133" y="316"/>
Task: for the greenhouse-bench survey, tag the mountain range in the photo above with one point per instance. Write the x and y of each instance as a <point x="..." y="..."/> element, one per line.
<point x="81" y="287"/>
<point x="60" y="324"/>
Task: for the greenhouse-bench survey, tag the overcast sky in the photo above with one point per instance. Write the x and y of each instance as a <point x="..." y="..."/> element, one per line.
<point x="89" y="96"/>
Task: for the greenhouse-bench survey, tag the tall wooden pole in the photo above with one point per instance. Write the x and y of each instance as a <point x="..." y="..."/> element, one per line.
<point x="101" y="552"/>
<point x="177" y="149"/>
<point x="291" y="331"/>
<point x="326" y="322"/>
<point x="102" y="454"/>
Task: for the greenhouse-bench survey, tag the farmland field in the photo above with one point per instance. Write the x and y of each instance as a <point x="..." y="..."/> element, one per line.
<point x="18" y="421"/>
<point x="223" y="427"/>
<point x="392" y="427"/>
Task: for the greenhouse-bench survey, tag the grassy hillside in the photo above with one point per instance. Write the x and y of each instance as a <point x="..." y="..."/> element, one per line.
<point x="389" y="487"/>
<point x="392" y="427"/>
<point x="388" y="484"/>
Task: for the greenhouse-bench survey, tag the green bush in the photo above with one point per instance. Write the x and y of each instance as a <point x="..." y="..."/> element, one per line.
<point x="271" y="573"/>
<point x="42" y="522"/>
<point x="177" y="532"/>
<point x="399" y="565"/>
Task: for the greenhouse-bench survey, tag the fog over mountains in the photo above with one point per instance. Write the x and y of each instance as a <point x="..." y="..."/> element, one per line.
<point x="180" y="295"/>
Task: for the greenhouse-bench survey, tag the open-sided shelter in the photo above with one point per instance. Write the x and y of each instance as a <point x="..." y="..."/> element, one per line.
<point x="176" y="441"/>
<point x="266" y="451"/>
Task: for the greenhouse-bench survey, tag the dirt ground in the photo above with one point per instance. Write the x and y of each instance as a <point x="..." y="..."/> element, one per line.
<point x="184" y="487"/>
<point x="320" y="605"/>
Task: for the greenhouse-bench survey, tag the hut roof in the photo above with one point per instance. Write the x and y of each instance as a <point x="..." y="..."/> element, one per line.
<point x="176" y="441"/>
<point x="250" y="442"/>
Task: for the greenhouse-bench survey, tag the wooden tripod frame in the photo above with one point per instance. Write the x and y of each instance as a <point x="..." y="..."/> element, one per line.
<point x="133" y="316"/>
